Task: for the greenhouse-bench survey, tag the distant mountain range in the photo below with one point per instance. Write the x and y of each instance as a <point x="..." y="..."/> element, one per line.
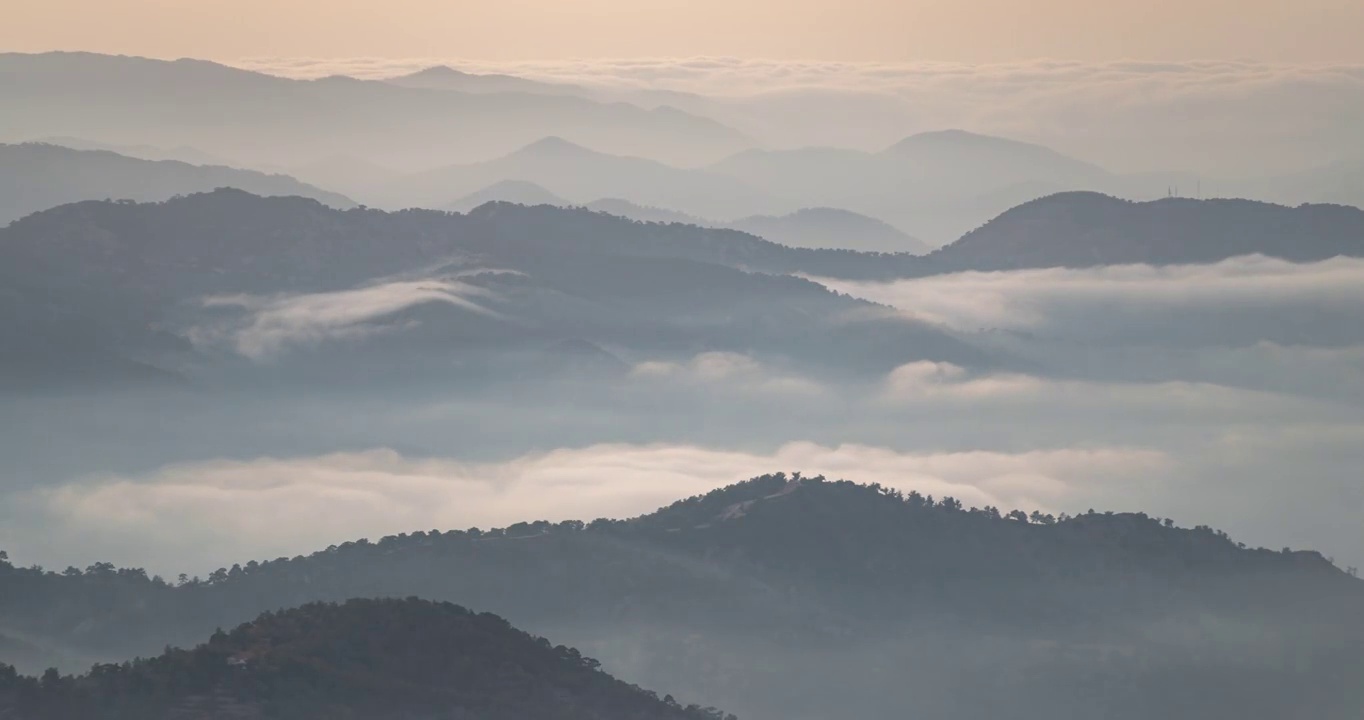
<point x="937" y="186"/>
<point x="781" y="597"/>
<point x="253" y="119"/>
<point x="37" y="177"/>
<point x="444" y="77"/>
<point x="806" y="228"/>
<point x="184" y="153"/>
<point x="933" y="185"/>
<point x="581" y="175"/>
<point x="831" y="228"/>
<point x="355" y="136"/>
<point x="365" y="658"/>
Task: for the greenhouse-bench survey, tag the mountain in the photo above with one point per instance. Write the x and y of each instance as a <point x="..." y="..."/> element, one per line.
<point x="184" y="154"/>
<point x="831" y="228"/>
<point x="253" y="119"/>
<point x="936" y="185"/>
<point x="518" y="192"/>
<point x="790" y="597"/>
<point x="581" y="175"/>
<point x="196" y="284"/>
<point x="365" y="658"/>
<point x="964" y="159"/>
<point x="38" y="177"/>
<point x="444" y="77"/>
<point x="812" y="228"/>
<point x="627" y="209"/>
<point x="1088" y="229"/>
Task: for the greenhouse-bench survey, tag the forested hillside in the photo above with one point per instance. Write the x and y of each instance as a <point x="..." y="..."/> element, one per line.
<point x="408" y="659"/>
<point x="755" y="596"/>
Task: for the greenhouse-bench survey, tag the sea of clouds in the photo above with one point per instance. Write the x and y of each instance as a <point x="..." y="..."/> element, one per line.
<point x="1229" y="394"/>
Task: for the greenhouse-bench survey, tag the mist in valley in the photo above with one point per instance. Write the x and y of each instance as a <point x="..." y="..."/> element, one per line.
<point x="856" y="387"/>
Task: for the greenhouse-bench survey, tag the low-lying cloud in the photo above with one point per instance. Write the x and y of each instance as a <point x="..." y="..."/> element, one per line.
<point x="1238" y="301"/>
<point x="735" y="371"/>
<point x="1178" y="391"/>
<point x="204" y="514"/>
<point x="274" y="323"/>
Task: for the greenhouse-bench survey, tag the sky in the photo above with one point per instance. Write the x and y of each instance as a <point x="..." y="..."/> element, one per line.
<point x="1301" y="31"/>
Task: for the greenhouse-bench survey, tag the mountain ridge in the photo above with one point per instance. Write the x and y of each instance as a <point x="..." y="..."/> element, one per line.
<point x="409" y="658"/>
<point x="258" y="119"/>
<point x="787" y="566"/>
<point x="40" y="176"/>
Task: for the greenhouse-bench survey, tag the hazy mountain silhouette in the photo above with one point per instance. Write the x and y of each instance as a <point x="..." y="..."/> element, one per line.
<point x="1088" y="229"/>
<point x="37" y="177"/>
<point x="831" y="228"/>
<point x="581" y="175"/>
<point x="518" y="192"/>
<point x="802" y="598"/>
<point x="935" y="185"/>
<point x="255" y="119"/>
<point x="131" y="280"/>
<point x="957" y="156"/>
<point x="184" y="154"/>
<point x="444" y="77"/>
<point x="806" y="228"/>
<point x="364" y="658"/>
<point x="626" y="209"/>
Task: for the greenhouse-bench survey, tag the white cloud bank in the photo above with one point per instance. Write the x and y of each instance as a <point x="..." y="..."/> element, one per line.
<point x="202" y="515"/>
<point x="1049" y="299"/>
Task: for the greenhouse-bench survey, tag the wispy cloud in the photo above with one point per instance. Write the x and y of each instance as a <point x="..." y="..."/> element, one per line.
<point x="274" y="323"/>
<point x="733" y="371"/>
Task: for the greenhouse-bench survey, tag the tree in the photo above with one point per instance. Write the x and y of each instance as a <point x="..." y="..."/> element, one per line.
<point x="51" y="678"/>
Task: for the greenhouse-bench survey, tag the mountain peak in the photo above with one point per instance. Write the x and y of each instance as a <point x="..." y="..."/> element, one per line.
<point x="437" y="71"/>
<point x="954" y="137"/>
<point x="553" y="144"/>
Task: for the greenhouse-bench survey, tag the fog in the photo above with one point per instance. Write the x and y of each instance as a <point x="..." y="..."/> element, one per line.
<point x="279" y="329"/>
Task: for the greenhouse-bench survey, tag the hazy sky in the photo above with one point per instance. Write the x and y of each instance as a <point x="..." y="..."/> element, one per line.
<point x="964" y="30"/>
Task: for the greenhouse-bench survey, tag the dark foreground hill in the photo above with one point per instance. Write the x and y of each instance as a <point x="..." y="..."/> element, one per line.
<point x="802" y="598"/>
<point x="408" y="659"/>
